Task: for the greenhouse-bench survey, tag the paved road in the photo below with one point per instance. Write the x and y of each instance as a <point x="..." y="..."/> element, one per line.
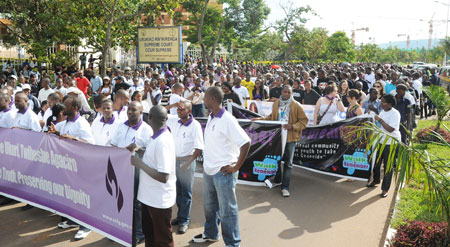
<point x="322" y="211"/>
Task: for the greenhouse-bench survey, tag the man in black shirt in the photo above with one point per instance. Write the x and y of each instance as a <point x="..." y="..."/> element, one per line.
<point x="310" y="97"/>
<point x="120" y="84"/>
<point x="275" y="92"/>
<point x="403" y="106"/>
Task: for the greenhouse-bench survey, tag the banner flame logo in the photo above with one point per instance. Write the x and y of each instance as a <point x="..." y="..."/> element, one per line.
<point x="110" y="178"/>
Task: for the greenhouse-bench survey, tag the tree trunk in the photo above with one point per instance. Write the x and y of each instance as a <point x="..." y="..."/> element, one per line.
<point x="213" y="48"/>
<point x="200" y="34"/>
<point x="105" y="50"/>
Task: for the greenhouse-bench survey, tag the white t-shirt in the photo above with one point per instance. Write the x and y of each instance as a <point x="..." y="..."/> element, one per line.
<point x="370" y="78"/>
<point x="103" y="132"/>
<point x="187" y="136"/>
<point x="121" y="114"/>
<point x="7" y="118"/>
<point x="223" y="139"/>
<point x="417" y="84"/>
<point x="159" y="155"/>
<point x="134" y="88"/>
<point x="43" y="94"/>
<point x="78" y="127"/>
<point x="48" y="113"/>
<point x="63" y="90"/>
<point x="391" y="118"/>
<point x="174" y="98"/>
<point x="155" y="92"/>
<point x="139" y="134"/>
<point x="28" y="120"/>
<point x="242" y="92"/>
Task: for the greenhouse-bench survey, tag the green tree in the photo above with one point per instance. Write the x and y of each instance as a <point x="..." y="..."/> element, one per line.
<point x="368" y="53"/>
<point x="253" y="15"/>
<point x="113" y="23"/>
<point x="316" y="45"/>
<point x="290" y="25"/>
<point x="40" y="24"/>
<point x="340" y="48"/>
<point x="440" y="98"/>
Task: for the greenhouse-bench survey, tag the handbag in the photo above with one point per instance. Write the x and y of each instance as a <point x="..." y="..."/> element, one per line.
<point x="319" y="117"/>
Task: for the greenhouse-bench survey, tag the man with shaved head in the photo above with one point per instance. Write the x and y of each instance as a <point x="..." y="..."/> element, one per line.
<point x="121" y="99"/>
<point x="25" y="117"/>
<point x="157" y="181"/>
<point x="226" y="147"/>
<point x="134" y="135"/>
<point x="7" y="115"/>
<point x="188" y="146"/>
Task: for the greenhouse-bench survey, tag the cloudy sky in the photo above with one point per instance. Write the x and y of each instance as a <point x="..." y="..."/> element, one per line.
<point x="386" y="19"/>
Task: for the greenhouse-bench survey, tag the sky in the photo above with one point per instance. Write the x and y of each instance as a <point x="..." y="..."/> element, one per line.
<point x="386" y="19"/>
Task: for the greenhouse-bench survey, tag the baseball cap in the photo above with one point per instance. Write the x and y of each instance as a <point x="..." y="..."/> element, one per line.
<point x="13" y="76"/>
<point x="26" y="86"/>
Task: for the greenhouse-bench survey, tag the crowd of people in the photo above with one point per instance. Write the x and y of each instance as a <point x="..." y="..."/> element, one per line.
<point x="151" y="112"/>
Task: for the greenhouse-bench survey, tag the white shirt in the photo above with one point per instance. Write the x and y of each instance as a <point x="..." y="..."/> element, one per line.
<point x="48" y="113"/>
<point x="102" y="131"/>
<point x="159" y="155"/>
<point x="174" y="98"/>
<point x="121" y="115"/>
<point x="242" y="92"/>
<point x="28" y="120"/>
<point x="155" y="92"/>
<point x="139" y="134"/>
<point x="223" y="139"/>
<point x="391" y="118"/>
<point x="63" y="90"/>
<point x="187" y="136"/>
<point x="134" y="88"/>
<point x="417" y="84"/>
<point x="7" y="118"/>
<point x="370" y="78"/>
<point x="43" y="94"/>
<point x="78" y="127"/>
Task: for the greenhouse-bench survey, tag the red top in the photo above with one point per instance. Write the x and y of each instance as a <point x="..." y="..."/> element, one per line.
<point x="83" y="84"/>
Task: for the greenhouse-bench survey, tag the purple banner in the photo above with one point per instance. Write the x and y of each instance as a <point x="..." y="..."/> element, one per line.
<point x="92" y="185"/>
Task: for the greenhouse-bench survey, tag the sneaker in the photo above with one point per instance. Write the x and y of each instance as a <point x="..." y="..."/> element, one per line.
<point x="182" y="229"/>
<point x="285" y="193"/>
<point x="201" y="238"/>
<point x="65" y="225"/>
<point x="81" y="234"/>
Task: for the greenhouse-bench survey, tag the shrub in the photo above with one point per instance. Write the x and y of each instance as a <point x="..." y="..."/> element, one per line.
<point x="421" y="234"/>
<point x="426" y="135"/>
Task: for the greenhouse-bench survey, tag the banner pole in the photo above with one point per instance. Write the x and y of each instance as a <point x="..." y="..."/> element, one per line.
<point x="136" y="184"/>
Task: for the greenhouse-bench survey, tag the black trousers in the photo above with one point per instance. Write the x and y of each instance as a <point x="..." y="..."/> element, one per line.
<point x="387" y="178"/>
<point x="157" y="227"/>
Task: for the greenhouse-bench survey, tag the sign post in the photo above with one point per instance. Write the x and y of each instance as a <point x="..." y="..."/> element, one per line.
<point x="160" y="45"/>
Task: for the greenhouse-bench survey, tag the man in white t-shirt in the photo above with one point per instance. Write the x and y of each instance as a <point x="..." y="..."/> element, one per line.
<point x="177" y="91"/>
<point x="134" y="135"/>
<point x="152" y="93"/>
<point x="121" y="99"/>
<point x="25" y="117"/>
<point x="226" y="148"/>
<point x="157" y="181"/>
<point x="75" y="127"/>
<point x="52" y="100"/>
<point x="45" y="91"/>
<point x="7" y="115"/>
<point x="104" y="127"/>
<point x="240" y="90"/>
<point x="188" y="136"/>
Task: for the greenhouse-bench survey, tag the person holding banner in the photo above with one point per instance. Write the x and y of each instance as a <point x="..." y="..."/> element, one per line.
<point x="104" y="127"/>
<point x="289" y="111"/>
<point x="77" y="128"/>
<point x="389" y="119"/>
<point x="226" y="148"/>
<point x="354" y="109"/>
<point x="157" y="181"/>
<point x="134" y="135"/>
<point x="188" y="146"/>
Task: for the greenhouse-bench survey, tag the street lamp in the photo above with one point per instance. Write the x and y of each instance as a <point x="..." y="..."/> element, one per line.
<point x="446" y="28"/>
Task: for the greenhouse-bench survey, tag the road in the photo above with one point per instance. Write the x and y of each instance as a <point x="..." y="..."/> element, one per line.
<point x="322" y="211"/>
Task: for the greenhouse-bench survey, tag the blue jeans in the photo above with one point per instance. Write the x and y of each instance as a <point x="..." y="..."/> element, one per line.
<point x="220" y="206"/>
<point x="198" y="110"/>
<point x="185" y="180"/>
<point x="288" y="156"/>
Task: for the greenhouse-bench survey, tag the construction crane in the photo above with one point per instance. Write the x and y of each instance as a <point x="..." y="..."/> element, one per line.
<point x="408" y="41"/>
<point x="358" y="29"/>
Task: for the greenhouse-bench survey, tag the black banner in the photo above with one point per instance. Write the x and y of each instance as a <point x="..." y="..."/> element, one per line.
<point x="265" y="151"/>
<point x="332" y="150"/>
